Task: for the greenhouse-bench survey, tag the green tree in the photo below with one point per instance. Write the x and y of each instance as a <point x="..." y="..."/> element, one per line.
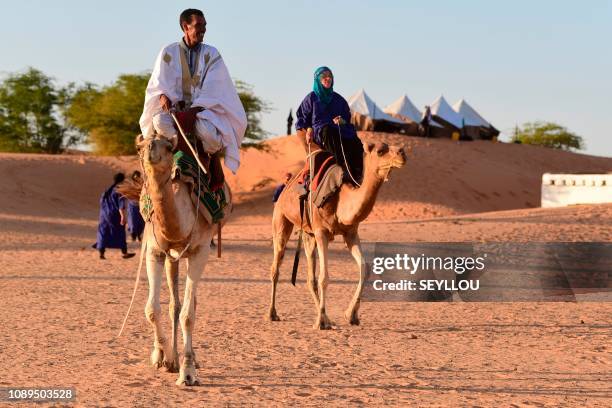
<point x="109" y="115"/>
<point x="547" y="134"/>
<point x="31" y="114"/>
<point x="254" y="106"/>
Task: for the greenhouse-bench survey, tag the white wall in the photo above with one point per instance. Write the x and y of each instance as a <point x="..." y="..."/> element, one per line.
<point x="559" y="190"/>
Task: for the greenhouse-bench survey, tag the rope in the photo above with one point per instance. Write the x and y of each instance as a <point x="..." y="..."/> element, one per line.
<point x="344" y="157"/>
<point x="310" y="164"/>
<point x="143" y="248"/>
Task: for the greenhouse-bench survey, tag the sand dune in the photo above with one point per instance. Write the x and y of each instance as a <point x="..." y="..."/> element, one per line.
<point x="441" y="178"/>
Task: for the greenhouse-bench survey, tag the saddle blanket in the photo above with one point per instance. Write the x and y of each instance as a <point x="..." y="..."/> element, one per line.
<point x="186" y="169"/>
<point x="326" y="180"/>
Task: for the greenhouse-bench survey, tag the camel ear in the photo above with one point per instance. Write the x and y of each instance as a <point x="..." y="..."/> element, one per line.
<point x="139" y="141"/>
<point x="368" y="147"/>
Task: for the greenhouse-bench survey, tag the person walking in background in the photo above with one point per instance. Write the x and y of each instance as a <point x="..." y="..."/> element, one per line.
<point x="281" y="187"/>
<point x="290" y="122"/>
<point x="111" y="225"/>
<point x="135" y="221"/>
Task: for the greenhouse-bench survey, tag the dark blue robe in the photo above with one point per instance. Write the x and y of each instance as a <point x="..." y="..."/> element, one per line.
<point x="134" y="220"/>
<point x="277" y="192"/>
<point x="111" y="234"/>
<point x="311" y="113"/>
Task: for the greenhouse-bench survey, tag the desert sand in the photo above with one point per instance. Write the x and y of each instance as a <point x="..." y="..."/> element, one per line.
<point x="62" y="307"/>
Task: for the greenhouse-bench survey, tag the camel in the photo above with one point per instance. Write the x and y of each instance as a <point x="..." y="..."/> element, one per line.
<point x="340" y="215"/>
<point x="174" y="231"/>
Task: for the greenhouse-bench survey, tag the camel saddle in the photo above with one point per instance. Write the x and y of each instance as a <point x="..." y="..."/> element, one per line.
<point x="211" y="162"/>
<point x="326" y="180"/>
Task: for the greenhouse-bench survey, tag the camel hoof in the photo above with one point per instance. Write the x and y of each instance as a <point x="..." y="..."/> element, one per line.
<point x="157" y="357"/>
<point x="323" y="324"/>
<point x="352" y="318"/>
<point x="172" y="366"/>
<point x="272" y="316"/>
<point x="187" y="380"/>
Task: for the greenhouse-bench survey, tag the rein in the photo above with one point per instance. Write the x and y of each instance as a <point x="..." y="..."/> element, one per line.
<point x="344" y="156"/>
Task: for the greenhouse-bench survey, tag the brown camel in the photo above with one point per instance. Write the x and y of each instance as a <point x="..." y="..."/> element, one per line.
<point x="175" y="230"/>
<point x="340" y="215"/>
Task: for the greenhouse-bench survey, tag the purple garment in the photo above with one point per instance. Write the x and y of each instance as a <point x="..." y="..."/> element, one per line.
<point x="278" y="192"/>
<point x="311" y="113"/>
<point x="111" y="234"/>
<point x="134" y="220"/>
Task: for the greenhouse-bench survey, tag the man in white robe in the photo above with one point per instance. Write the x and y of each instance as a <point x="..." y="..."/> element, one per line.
<point x="191" y="76"/>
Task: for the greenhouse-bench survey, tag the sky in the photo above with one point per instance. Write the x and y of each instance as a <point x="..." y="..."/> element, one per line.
<point x="514" y="62"/>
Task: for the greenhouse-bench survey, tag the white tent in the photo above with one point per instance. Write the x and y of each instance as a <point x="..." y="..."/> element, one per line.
<point x="472" y="118"/>
<point x="441" y="109"/>
<point x="362" y="104"/>
<point x="403" y="107"/>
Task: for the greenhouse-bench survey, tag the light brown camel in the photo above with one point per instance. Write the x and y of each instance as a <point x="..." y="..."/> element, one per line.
<point x="174" y="227"/>
<point x="340" y="215"/>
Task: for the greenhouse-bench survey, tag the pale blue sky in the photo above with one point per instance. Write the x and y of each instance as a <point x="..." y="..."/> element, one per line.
<point x="513" y="61"/>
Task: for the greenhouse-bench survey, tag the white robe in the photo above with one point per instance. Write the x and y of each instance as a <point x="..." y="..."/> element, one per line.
<point x="215" y="93"/>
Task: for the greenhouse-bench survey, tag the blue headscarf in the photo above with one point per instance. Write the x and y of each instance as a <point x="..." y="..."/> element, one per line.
<point x="324" y="94"/>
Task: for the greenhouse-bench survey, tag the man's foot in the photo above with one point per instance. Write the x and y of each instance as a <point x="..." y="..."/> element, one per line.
<point x="102" y="256"/>
<point x="128" y="255"/>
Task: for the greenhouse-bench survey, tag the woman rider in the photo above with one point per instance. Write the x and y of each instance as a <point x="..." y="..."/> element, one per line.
<point x="325" y="116"/>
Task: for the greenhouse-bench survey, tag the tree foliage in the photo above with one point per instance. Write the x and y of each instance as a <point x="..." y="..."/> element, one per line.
<point x="37" y="116"/>
<point x="254" y="106"/>
<point x="109" y="115"/>
<point x="547" y="134"/>
<point x="32" y="112"/>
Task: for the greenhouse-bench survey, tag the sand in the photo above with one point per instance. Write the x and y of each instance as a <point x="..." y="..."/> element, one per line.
<point x="62" y="307"/>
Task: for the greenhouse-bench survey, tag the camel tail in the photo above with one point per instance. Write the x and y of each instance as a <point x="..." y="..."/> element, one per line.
<point x="142" y="254"/>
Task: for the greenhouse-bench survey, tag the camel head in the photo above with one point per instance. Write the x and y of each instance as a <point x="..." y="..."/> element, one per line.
<point x="156" y="154"/>
<point x="381" y="158"/>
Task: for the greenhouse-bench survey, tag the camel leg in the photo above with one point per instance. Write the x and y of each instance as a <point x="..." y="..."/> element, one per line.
<point x="322" y="322"/>
<point x="282" y="229"/>
<point x="310" y="246"/>
<point x="153" y="308"/>
<point x="354" y="246"/>
<point x="172" y="275"/>
<point x="195" y="267"/>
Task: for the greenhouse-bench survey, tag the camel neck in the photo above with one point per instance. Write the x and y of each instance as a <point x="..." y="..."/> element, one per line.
<point x="164" y="206"/>
<point x="356" y="203"/>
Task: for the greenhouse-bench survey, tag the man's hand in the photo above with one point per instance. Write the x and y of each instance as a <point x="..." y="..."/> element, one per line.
<point x="338" y="120"/>
<point x="165" y="103"/>
<point x="122" y="222"/>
